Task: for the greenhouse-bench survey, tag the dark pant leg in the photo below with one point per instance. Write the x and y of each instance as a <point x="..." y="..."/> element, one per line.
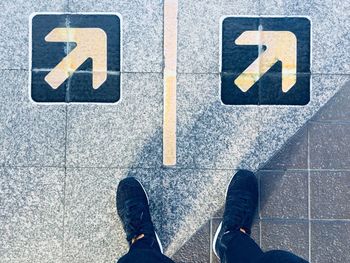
<point x="279" y="256"/>
<point x="237" y="247"/>
<point x="143" y="252"/>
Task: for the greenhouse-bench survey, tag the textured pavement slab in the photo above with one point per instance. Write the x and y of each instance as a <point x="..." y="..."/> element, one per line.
<point x="142" y="31"/>
<point x="292" y="236"/>
<point x="14" y="26"/>
<point x="284" y="194"/>
<point x="31" y="214"/>
<point x="330" y="241"/>
<point x="117" y="135"/>
<point x="93" y="232"/>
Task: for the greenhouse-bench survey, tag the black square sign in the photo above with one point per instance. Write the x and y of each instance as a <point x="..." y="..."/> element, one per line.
<point x="265" y="61"/>
<point x="75" y="58"/>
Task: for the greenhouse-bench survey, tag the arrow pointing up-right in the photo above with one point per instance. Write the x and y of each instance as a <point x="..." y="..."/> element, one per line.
<point x="91" y="43"/>
<point x="280" y="46"/>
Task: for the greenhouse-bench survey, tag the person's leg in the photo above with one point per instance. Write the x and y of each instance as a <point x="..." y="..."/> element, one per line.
<point x="232" y="242"/>
<point x="279" y="256"/>
<point x="133" y="210"/>
<point x="144" y="252"/>
<point x="238" y="247"/>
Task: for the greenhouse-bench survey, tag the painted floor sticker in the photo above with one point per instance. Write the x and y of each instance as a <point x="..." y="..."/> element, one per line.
<point x="265" y="61"/>
<point x="75" y="58"/>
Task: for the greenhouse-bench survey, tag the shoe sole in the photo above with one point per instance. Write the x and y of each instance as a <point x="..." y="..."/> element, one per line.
<point x="220" y="226"/>
<point x="157" y="237"/>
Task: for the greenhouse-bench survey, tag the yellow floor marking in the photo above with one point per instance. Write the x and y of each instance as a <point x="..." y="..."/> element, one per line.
<point x="170" y="56"/>
<point x="91" y="43"/>
<point x="281" y="46"/>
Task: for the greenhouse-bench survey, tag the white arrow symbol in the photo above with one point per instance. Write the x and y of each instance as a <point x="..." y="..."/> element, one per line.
<point x="91" y="43"/>
<point x="280" y="46"/>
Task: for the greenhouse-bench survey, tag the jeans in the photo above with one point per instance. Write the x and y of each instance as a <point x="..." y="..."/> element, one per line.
<point x="234" y="247"/>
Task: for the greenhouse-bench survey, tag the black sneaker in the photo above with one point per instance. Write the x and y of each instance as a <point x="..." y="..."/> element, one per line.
<point x="133" y="210"/>
<point x="240" y="206"/>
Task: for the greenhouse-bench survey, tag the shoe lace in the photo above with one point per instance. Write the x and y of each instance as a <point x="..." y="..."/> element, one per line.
<point x="237" y="210"/>
<point x="137" y="219"/>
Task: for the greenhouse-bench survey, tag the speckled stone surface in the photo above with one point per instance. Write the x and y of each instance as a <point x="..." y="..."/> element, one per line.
<point x="213" y="135"/>
<point x="200" y="55"/>
<point x="337" y="109"/>
<point x="199" y="32"/>
<point x="14" y="27"/>
<point x="329" y="145"/>
<point x="283" y="194"/>
<point x="330" y="241"/>
<point x="199" y="243"/>
<point x="292" y="236"/>
<point x="330" y="194"/>
<point x="294" y="154"/>
<point x="32" y="135"/>
<point x="14" y="86"/>
<point x="31" y="215"/>
<point x="142" y="30"/>
<point x="124" y="134"/>
<point x="93" y="230"/>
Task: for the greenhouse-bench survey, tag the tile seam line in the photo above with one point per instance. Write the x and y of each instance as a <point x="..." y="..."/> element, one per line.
<point x="309" y="192"/>
<point x="64" y="185"/>
<point x="184" y="73"/>
<point x="111" y="72"/>
<point x="232" y="72"/>
<point x="170" y="168"/>
<point x="303" y="220"/>
<point x="330" y="122"/>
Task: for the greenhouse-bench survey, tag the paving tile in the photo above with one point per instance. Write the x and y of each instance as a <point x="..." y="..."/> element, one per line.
<point x="330" y="241"/>
<point x="123" y="134"/>
<point x="15" y="17"/>
<point x="223" y="135"/>
<point x="329" y="146"/>
<point x="199" y="32"/>
<point x="197" y="248"/>
<point x="283" y="194"/>
<point x="31" y="215"/>
<point x="293" y="154"/>
<point x="142" y="31"/>
<point x="187" y="206"/>
<point x="279" y="123"/>
<point x="32" y="135"/>
<point x="330" y="195"/>
<point x="330" y="24"/>
<point x="93" y="231"/>
<point x="14" y="86"/>
<point x="286" y="235"/>
<point x="215" y="222"/>
<point x="91" y="221"/>
<point x="337" y="109"/>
